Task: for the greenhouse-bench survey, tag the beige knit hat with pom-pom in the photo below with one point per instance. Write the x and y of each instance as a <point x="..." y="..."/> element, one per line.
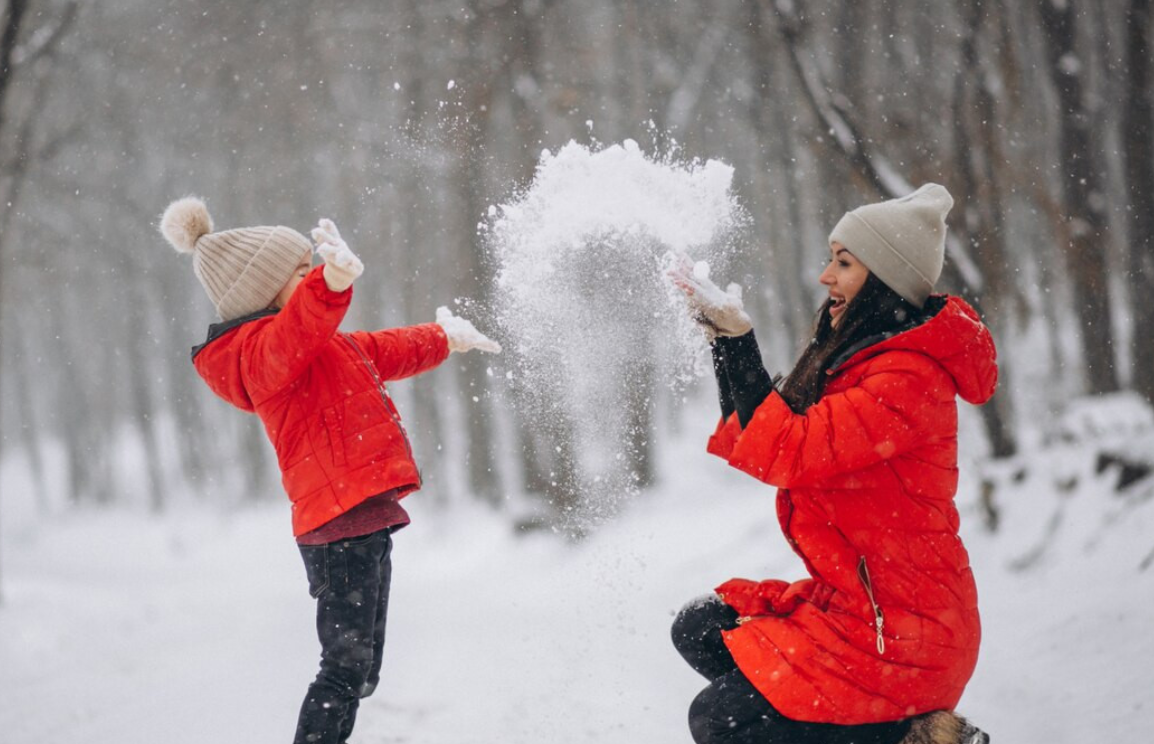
<point x="242" y="270"/>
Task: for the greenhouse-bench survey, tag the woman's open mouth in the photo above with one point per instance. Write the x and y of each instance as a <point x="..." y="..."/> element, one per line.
<point x="837" y="304"/>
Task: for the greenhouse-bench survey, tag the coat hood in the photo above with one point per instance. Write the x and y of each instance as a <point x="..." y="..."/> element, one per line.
<point x="218" y="359"/>
<point x="956" y="339"/>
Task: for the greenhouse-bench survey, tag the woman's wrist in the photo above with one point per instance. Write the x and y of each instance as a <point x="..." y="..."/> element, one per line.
<point x="749" y="383"/>
<point x="721" y="372"/>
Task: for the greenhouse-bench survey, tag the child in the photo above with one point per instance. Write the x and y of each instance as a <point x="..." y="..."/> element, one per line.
<point x="344" y="456"/>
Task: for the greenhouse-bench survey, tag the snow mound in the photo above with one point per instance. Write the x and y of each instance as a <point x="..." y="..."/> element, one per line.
<point x="1087" y="485"/>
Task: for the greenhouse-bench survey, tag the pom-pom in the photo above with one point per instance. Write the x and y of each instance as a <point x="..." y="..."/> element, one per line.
<point x="184" y="222"/>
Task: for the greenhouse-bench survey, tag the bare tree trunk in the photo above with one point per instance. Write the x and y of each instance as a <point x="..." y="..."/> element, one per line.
<point x="983" y="221"/>
<point x="482" y="460"/>
<point x="1138" y="141"/>
<point x="775" y="150"/>
<point x="629" y="88"/>
<point x="1083" y="196"/>
<point x="42" y="45"/>
<point x="197" y="442"/>
<point x="30" y="431"/>
<point x="640" y="389"/>
<point x="532" y="452"/>
<point x="852" y="84"/>
<point x="853" y="20"/>
<point x="639" y="405"/>
<point x="8" y="40"/>
<point x="474" y="281"/>
<point x="144" y="417"/>
<point x="413" y="262"/>
<point x="547" y="450"/>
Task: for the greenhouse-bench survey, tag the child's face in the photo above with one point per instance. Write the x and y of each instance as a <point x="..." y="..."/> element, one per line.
<point x="287" y="290"/>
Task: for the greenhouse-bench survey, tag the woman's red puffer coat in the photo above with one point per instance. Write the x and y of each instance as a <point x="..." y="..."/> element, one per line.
<point x="321" y="396"/>
<point x="886" y="626"/>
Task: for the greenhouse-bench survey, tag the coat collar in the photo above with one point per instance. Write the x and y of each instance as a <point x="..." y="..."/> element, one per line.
<point x="216" y="330"/>
<point x="952" y="335"/>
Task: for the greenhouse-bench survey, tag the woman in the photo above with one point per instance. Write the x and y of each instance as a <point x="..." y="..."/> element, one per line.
<point x="861" y="440"/>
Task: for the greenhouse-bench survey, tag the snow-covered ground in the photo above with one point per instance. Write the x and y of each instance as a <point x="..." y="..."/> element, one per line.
<point x="197" y="626"/>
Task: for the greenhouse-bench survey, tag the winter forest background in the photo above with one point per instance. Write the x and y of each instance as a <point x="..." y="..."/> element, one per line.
<point x="406" y="121"/>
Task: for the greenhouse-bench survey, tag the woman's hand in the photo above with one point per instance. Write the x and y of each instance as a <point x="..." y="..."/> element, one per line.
<point x="720" y="312"/>
<point x="342" y="267"/>
<point x="462" y="335"/>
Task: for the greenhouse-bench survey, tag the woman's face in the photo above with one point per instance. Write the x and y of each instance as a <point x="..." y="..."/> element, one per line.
<point x="844" y="276"/>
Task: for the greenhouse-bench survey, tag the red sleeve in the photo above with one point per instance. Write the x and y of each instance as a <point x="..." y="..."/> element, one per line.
<point x="724" y="437"/>
<point x="772" y="596"/>
<point x="288" y="344"/>
<point x="889" y="412"/>
<point x="398" y="353"/>
<point x="751" y="598"/>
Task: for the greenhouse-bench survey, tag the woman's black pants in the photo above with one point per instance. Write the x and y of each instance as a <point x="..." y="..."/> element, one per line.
<point x="731" y="710"/>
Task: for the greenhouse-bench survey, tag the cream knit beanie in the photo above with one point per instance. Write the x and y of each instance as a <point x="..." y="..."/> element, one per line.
<point x="242" y="270"/>
<point x="902" y="241"/>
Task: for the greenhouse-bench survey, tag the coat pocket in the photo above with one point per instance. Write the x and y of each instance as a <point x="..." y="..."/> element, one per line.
<point x="332" y="419"/>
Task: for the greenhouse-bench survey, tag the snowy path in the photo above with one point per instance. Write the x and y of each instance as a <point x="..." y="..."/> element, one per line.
<point x="193" y="628"/>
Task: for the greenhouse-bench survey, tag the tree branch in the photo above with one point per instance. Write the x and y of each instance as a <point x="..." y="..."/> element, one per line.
<point x="44" y="39"/>
<point x="833" y="112"/>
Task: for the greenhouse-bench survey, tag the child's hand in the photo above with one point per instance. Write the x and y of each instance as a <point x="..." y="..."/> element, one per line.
<point x="342" y="266"/>
<point x="462" y="335"/>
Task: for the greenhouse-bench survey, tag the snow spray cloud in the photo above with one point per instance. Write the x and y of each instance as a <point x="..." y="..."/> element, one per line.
<point x="595" y="326"/>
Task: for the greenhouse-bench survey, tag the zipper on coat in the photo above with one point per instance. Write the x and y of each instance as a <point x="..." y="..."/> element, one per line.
<point x="863" y="573"/>
<point x="385" y="400"/>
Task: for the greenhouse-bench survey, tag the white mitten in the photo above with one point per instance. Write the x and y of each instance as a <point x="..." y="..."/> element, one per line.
<point x="342" y="267"/>
<point x="462" y="335"/>
<point x="721" y="311"/>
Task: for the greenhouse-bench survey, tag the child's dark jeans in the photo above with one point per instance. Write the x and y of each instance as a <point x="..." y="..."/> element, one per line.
<point x="350" y="581"/>
<point x="731" y="710"/>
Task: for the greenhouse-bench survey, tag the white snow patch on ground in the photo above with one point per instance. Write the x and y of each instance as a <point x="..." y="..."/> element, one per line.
<point x="118" y="628"/>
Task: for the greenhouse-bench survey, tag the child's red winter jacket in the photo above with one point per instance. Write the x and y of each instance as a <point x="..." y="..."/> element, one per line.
<point x="321" y="396"/>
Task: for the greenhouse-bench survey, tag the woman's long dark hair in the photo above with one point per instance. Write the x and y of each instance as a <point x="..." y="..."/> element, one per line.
<point x="875" y="311"/>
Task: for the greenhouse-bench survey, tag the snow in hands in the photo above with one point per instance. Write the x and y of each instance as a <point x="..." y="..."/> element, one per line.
<point x="462" y="335"/>
<point x="584" y="297"/>
<point x="720" y="312"/>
